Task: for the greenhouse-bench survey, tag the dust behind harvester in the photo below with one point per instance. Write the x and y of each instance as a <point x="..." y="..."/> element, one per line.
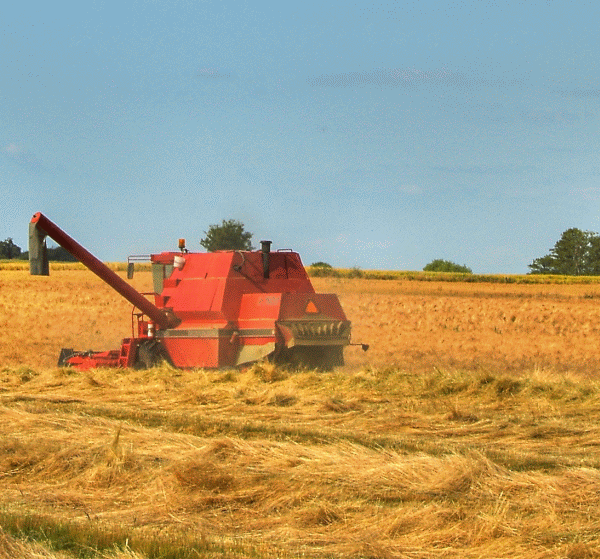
<point x="219" y="309"/>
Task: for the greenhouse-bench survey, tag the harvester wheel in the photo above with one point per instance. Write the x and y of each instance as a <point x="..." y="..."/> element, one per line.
<point x="149" y="354"/>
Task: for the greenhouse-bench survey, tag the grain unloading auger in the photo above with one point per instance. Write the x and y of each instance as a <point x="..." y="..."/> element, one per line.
<point x="212" y="310"/>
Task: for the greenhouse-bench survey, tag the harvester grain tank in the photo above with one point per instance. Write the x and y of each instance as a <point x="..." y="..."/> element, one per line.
<point x="212" y="310"/>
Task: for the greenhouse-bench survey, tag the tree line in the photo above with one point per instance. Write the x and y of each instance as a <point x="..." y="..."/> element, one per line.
<point x="10" y="251"/>
<point x="576" y="253"/>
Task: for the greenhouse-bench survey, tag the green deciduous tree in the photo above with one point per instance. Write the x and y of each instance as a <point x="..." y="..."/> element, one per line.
<point x="229" y="235"/>
<point x="543" y="265"/>
<point x="9" y="250"/>
<point x="576" y="253"/>
<point x="593" y="258"/>
<point x="440" y="265"/>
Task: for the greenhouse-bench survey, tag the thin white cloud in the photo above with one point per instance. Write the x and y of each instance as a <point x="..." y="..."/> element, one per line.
<point x="410" y="78"/>
<point x="212" y="72"/>
<point x="12" y="149"/>
<point x="24" y="158"/>
<point x="542" y="117"/>
<point x="581" y="93"/>
<point x="410" y="189"/>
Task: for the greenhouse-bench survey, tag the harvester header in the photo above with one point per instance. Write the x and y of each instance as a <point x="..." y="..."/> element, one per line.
<point x="212" y="310"/>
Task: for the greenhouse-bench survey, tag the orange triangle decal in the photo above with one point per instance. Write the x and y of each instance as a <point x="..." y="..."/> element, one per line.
<point x="311" y="308"/>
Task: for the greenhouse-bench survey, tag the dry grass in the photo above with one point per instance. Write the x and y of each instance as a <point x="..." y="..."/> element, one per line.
<point x="419" y="448"/>
<point x="70" y="308"/>
<point x="375" y="463"/>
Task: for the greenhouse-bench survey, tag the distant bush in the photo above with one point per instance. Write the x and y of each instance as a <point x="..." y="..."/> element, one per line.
<point x="322" y="270"/>
<point x="355" y="272"/>
<point x="440" y="265"/>
<point x="321" y="265"/>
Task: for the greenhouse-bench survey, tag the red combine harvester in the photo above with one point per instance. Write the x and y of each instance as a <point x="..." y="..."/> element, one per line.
<point x="212" y="310"/>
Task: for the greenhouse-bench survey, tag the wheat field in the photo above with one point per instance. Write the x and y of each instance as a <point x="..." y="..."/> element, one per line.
<point x="469" y="429"/>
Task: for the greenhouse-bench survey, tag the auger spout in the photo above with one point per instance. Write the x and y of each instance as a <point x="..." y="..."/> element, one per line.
<point x="40" y="227"/>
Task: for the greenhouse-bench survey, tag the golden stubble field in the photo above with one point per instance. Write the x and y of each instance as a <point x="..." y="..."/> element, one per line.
<point x="418" y="325"/>
<point x="415" y="325"/>
<point x="469" y="429"/>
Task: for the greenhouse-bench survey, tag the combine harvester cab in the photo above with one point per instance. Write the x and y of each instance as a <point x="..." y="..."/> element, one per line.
<point x="213" y="310"/>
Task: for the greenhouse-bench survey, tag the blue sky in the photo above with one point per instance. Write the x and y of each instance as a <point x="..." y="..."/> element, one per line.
<point x="374" y="134"/>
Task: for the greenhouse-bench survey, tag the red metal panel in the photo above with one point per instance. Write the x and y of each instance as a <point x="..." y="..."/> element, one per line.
<point x="189" y="353"/>
<point x="260" y="306"/>
<point x="294" y="305"/>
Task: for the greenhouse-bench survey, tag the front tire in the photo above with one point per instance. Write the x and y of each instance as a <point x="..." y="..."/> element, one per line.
<point x="150" y="353"/>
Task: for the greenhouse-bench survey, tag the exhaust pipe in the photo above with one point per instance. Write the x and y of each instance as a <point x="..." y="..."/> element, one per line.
<point x="265" y="247"/>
